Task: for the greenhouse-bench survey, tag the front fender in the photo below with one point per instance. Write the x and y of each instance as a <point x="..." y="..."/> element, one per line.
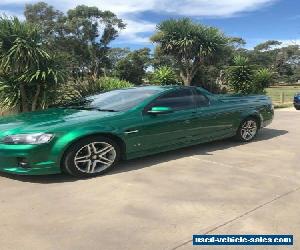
<point x="65" y="140"/>
<point x="252" y="113"/>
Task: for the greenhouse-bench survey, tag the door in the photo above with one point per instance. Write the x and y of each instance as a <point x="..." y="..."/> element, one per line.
<point x="159" y="132"/>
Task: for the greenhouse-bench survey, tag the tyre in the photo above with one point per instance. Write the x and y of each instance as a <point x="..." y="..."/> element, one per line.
<point x="247" y="130"/>
<point x="91" y="157"/>
<point x="297" y="107"/>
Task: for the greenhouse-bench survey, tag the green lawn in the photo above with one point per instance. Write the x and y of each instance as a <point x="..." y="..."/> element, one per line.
<point x="289" y="92"/>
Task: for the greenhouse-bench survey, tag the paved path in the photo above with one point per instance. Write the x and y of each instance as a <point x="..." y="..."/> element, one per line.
<point x="158" y="202"/>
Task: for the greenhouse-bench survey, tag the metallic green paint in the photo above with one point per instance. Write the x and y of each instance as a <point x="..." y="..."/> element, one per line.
<point x="156" y="132"/>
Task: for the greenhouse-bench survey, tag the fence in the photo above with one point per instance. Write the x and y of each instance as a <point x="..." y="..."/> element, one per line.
<point x="282" y="98"/>
<point x="283" y="95"/>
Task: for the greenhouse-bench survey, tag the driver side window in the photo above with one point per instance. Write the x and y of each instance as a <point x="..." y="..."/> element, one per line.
<point x="177" y="100"/>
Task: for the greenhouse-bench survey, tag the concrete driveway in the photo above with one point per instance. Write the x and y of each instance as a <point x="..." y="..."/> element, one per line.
<point x="159" y="202"/>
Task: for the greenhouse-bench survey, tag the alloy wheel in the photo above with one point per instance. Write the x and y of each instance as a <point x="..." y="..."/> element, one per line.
<point x="248" y="130"/>
<point x="95" y="157"/>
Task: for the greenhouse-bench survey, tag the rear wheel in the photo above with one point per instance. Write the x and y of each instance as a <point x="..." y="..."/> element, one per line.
<point x="91" y="157"/>
<point x="247" y="130"/>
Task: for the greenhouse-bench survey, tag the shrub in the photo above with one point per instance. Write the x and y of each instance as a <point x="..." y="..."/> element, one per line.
<point x="78" y="89"/>
<point x="263" y="78"/>
<point x="165" y="76"/>
<point x="109" y="83"/>
<point x="242" y="77"/>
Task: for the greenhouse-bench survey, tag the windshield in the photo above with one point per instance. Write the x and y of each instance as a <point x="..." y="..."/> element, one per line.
<point x="115" y="100"/>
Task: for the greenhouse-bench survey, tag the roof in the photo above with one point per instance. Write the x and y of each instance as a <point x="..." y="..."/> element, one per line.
<point x="160" y="87"/>
<point x="167" y="87"/>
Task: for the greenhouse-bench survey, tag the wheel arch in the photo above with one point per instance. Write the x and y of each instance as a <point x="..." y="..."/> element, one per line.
<point x="110" y="136"/>
<point x="257" y="116"/>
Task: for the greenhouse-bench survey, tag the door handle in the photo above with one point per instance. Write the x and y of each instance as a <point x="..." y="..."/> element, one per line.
<point x="127" y="132"/>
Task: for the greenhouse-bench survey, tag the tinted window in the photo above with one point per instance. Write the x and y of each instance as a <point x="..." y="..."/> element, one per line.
<point x="115" y="100"/>
<point x="177" y="100"/>
<point x="200" y="99"/>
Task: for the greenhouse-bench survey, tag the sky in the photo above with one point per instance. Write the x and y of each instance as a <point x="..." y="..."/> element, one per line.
<point x="253" y="20"/>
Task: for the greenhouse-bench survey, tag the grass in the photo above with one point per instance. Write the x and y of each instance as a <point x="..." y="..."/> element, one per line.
<point x="280" y="106"/>
<point x="289" y="92"/>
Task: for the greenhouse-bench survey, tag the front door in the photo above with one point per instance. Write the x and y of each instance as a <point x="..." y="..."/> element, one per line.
<point x="159" y="132"/>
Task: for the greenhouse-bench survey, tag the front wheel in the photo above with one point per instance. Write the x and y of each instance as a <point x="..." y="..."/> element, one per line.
<point x="90" y="157"/>
<point x="247" y="130"/>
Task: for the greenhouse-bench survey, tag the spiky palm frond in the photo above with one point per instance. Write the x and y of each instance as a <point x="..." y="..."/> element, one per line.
<point x="263" y="77"/>
<point x="25" y="61"/>
<point x="187" y="39"/>
<point x="20" y="45"/>
<point x="9" y="92"/>
<point x="165" y="76"/>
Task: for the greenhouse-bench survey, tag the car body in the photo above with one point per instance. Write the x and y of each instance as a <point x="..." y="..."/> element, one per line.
<point x="297" y="101"/>
<point x="148" y="120"/>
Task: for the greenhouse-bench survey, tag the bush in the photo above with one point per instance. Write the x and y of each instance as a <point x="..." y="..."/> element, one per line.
<point x="243" y="79"/>
<point x="240" y="76"/>
<point x="110" y="83"/>
<point x="165" y="76"/>
<point x="78" y="89"/>
<point x="263" y="78"/>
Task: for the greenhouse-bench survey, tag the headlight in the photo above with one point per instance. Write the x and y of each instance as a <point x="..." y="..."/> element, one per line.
<point x="36" y="138"/>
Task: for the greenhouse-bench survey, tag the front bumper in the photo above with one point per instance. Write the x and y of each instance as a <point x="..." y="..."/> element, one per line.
<point x="266" y="123"/>
<point x="267" y="117"/>
<point x="35" y="155"/>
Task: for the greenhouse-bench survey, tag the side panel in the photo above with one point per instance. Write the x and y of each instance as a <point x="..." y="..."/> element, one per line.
<point x="156" y="132"/>
<point x="214" y="122"/>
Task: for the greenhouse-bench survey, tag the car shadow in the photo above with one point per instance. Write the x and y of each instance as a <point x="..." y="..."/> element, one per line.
<point x="200" y="149"/>
<point x="150" y="161"/>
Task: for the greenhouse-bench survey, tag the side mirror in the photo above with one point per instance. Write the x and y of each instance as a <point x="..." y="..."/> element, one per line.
<point x="160" y="110"/>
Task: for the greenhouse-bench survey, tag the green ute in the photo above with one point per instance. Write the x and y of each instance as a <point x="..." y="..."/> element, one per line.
<point x="88" y="137"/>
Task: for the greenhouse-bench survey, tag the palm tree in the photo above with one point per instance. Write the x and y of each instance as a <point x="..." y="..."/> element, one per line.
<point x="190" y="44"/>
<point x="27" y="69"/>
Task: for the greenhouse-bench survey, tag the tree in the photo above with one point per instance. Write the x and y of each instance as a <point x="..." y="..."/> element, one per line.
<point x="89" y="31"/>
<point x="133" y="67"/>
<point x="114" y="56"/>
<point x="27" y="69"/>
<point x="45" y="16"/>
<point x="237" y="42"/>
<point x="282" y="60"/>
<point x="161" y="59"/>
<point x="267" y="45"/>
<point x="287" y="63"/>
<point x="83" y="35"/>
<point x="190" y="44"/>
<point x="264" y="54"/>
